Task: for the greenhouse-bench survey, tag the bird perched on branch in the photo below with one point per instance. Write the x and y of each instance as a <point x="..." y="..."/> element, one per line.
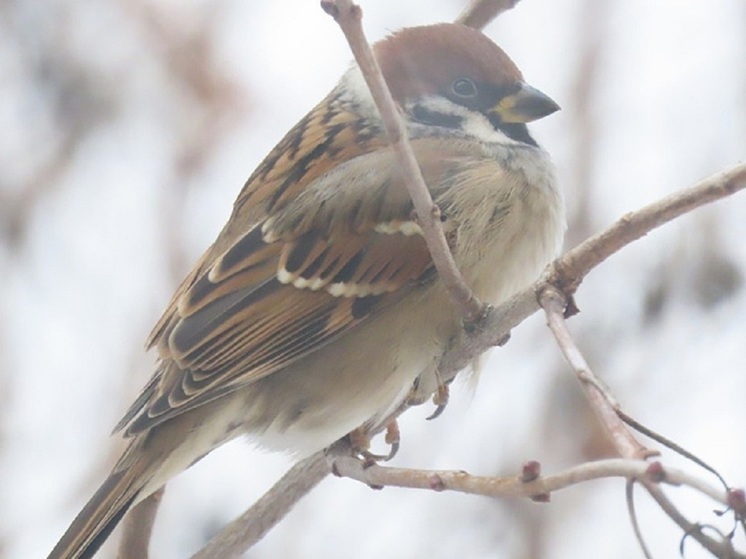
<point x="317" y="309"/>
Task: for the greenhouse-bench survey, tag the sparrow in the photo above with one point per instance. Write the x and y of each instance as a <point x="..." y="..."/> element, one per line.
<point x="317" y="308"/>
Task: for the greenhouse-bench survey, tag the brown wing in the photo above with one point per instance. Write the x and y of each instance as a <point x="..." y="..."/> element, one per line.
<point x="309" y="268"/>
<point x="239" y="323"/>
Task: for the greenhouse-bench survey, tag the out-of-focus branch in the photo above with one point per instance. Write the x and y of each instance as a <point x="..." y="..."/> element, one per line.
<point x="189" y="59"/>
<point x="137" y="527"/>
<point x="594" y="17"/>
<point x="348" y="15"/>
<point x="16" y="209"/>
<point x="481" y="12"/>
<point x="272" y="507"/>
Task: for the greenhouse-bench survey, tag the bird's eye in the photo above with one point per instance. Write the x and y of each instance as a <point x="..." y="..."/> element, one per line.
<point x="464" y="87"/>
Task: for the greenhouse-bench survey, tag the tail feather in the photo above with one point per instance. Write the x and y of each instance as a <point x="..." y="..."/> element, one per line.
<point x="99" y="517"/>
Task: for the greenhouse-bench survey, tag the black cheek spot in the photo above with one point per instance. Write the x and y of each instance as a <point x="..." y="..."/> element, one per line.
<point x="429" y="117"/>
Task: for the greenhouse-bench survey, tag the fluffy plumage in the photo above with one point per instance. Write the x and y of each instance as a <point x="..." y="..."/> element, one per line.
<point x="317" y="307"/>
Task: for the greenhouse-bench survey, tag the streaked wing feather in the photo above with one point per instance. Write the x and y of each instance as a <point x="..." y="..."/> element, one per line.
<point x="228" y="333"/>
<point x="248" y="333"/>
<point x="303" y="271"/>
<point x="326" y="136"/>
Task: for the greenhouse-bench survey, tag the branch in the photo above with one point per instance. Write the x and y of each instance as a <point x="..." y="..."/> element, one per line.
<point x="137" y="527"/>
<point x="575" y="265"/>
<point x="569" y="271"/>
<point x="608" y="412"/>
<point x="481" y="12"/>
<point x="539" y="488"/>
<point x="273" y="506"/>
<point x="602" y="402"/>
<point x="517" y="486"/>
<point x="348" y="15"/>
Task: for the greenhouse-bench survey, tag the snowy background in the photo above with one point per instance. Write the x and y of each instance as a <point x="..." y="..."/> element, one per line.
<point x="127" y="127"/>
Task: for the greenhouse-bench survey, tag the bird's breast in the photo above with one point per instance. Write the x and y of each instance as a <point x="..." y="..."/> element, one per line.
<point x="510" y="220"/>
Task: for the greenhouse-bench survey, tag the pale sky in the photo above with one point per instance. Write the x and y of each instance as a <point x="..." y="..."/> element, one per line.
<point x="662" y="322"/>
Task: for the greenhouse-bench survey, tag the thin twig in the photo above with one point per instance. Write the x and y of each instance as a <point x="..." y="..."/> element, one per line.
<point x="722" y="548"/>
<point x="625" y="443"/>
<point x="668" y="443"/>
<point x="481" y="12"/>
<point x="511" y="486"/>
<point x="603" y="404"/>
<point x="650" y="475"/>
<point x="630" y="497"/>
<point x="349" y="15"/>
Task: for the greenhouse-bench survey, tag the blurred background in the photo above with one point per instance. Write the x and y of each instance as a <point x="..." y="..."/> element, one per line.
<point x="128" y="127"/>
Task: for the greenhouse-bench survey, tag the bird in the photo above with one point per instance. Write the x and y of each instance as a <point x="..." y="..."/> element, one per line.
<point x="317" y="309"/>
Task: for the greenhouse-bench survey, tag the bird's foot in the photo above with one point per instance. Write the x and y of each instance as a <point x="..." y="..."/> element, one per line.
<point x="360" y="443"/>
